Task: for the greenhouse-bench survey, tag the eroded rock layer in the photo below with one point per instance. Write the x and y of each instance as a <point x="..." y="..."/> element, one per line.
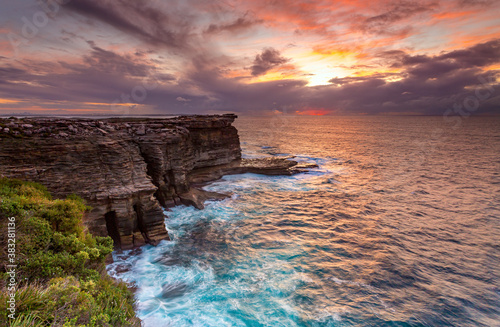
<point x="126" y="169"/>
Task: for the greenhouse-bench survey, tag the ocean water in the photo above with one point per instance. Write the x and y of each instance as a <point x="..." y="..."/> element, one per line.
<point x="399" y="226"/>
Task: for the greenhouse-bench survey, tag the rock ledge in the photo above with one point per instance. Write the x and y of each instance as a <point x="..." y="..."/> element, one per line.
<point x="125" y="168"/>
<point x="129" y="169"/>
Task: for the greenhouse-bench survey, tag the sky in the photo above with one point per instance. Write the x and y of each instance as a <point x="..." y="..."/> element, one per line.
<point x="300" y="57"/>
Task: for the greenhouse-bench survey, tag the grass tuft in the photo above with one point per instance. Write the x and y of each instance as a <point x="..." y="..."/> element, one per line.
<point x="61" y="270"/>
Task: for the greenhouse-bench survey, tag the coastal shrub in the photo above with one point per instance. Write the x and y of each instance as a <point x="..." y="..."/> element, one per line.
<point x="61" y="271"/>
<point x="64" y="215"/>
<point x="70" y="302"/>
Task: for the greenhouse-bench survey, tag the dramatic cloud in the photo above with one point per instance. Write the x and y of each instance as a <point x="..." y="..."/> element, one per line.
<point x="239" y="25"/>
<point x="428" y="84"/>
<point x="268" y="59"/>
<point x="108" y="62"/>
<point x="137" y="18"/>
<point x="334" y="57"/>
<point x="384" y="23"/>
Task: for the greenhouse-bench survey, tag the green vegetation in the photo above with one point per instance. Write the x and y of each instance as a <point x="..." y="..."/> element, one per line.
<point x="60" y="267"/>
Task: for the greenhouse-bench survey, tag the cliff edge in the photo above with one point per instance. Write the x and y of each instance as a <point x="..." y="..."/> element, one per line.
<point x="126" y="169"/>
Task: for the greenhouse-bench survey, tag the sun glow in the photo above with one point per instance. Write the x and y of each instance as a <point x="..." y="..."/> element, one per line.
<point x="320" y="68"/>
<point x="320" y="78"/>
<point x="312" y="112"/>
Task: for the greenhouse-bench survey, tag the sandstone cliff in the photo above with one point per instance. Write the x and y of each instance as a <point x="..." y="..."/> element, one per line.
<point x="126" y="169"/>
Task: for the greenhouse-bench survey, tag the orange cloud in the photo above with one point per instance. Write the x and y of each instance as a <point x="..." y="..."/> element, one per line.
<point x="453" y="15"/>
<point x="326" y="50"/>
<point x="470" y="40"/>
<point x="5" y="101"/>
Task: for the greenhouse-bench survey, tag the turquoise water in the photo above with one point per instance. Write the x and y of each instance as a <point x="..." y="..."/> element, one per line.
<point x="399" y="226"/>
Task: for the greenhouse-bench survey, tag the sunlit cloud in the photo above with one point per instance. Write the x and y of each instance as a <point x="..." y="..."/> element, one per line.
<point x="303" y="57"/>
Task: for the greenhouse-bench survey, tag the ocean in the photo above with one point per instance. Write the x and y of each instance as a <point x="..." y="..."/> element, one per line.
<point x="398" y="226"/>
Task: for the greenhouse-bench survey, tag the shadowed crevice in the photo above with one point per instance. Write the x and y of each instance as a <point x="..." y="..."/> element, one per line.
<point x="112" y="227"/>
<point x="141" y="224"/>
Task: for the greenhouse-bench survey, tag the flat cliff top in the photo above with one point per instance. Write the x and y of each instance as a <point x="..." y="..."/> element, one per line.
<point x="67" y="127"/>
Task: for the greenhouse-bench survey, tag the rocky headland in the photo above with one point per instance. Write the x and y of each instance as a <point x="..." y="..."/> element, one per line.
<point x="129" y="169"/>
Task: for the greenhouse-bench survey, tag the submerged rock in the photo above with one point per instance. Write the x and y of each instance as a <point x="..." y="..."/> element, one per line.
<point x="173" y="290"/>
<point x="121" y="268"/>
<point x="168" y="260"/>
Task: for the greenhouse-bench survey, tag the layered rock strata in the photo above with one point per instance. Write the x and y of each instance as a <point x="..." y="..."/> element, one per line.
<point x="127" y="169"/>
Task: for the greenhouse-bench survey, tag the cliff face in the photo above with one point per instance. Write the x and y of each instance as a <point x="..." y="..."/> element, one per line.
<point x="126" y="169"/>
